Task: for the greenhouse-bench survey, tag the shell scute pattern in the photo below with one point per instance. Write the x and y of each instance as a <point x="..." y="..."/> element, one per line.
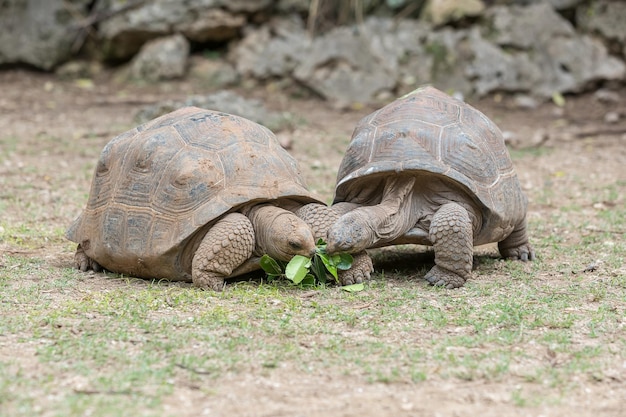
<point x="429" y="132"/>
<point x="432" y="110"/>
<point x="462" y="152"/>
<point x="488" y="136"/>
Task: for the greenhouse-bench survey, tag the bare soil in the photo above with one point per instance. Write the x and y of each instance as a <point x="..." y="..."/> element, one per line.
<point x="562" y="154"/>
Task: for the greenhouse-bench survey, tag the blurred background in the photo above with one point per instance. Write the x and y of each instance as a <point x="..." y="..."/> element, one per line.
<point x="350" y="53"/>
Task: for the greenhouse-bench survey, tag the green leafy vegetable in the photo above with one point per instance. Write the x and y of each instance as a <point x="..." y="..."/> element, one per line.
<point x="270" y="266"/>
<point x="318" y="271"/>
<point x="302" y="270"/>
<point x="353" y="287"/>
<point x="297" y="268"/>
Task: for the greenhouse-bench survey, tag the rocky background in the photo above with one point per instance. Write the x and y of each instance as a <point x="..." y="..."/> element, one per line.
<point x="350" y="52"/>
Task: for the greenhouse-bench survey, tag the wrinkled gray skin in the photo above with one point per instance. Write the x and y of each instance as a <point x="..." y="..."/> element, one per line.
<point x="432" y="212"/>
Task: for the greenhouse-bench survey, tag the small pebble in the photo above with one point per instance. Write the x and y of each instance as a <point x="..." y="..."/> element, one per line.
<point x="525" y="102"/>
<point x="606" y="96"/>
<point x="611" y="117"/>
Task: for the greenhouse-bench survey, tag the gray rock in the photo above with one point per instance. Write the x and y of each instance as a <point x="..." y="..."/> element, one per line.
<point x="465" y="62"/>
<point x="214" y="25"/>
<point x="571" y="64"/>
<point x="348" y="65"/>
<point x="273" y="50"/>
<point x="225" y="101"/>
<point x="492" y="69"/>
<point x="39" y="33"/>
<point x="562" y="4"/>
<point x="161" y="59"/>
<point x="544" y="55"/>
<point x="79" y="69"/>
<point x="199" y="20"/>
<point x="212" y="73"/>
<point x="399" y="47"/>
<point x="524" y="27"/>
<point x="612" y="117"/>
<point x="607" y="18"/>
<point x="524" y="101"/>
<point x="556" y="4"/>
<point x="530" y="50"/>
<point x="449" y="52"/>
<point x="607" y="96"/>
<point x="341" y="67"/>
<point x="291" y="6"/>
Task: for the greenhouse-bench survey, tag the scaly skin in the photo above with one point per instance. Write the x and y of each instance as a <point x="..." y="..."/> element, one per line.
<point x="228" y="244"/>
<point x="451" y="235"/>
<point x="280" y="233"/>
<point x="236" y="237"/>
<point x="450" y="230"/>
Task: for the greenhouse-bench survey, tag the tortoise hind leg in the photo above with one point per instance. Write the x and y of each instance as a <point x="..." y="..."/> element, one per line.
<point x="516" y="245"/>
<point x="452" y="238"/>
<point x="228" y="244"/>
<point x="83" y="262"/>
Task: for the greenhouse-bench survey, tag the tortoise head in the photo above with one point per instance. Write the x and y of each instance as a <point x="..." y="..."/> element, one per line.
<point x="291" y="236"/>
<point x="350" y="233"/>
<point x="280" y="233"/>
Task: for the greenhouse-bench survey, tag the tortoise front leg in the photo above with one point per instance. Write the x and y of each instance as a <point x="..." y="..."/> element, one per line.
<point x="516" y="245"/>
<point x="228" y="244"/>
<point x="452" y="238"/>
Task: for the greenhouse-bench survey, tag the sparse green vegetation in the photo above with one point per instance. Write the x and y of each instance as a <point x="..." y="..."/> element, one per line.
<point x="311" y="271"/>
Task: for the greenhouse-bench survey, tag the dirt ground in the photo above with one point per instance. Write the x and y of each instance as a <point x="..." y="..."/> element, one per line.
<point x="562" y="154"/>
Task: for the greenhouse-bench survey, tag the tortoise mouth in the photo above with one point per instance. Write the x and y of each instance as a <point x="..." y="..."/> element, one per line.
<point x="333" y="246"/>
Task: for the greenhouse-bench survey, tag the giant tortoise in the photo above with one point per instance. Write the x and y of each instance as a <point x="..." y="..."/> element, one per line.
<point x="432" y="170"/>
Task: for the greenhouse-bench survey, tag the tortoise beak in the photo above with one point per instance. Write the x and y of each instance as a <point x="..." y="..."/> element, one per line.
<point x="338" y="245"/>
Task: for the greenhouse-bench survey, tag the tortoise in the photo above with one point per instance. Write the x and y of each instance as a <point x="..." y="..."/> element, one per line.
<point x="198" y="195"/>
<point x="432" y="170"/>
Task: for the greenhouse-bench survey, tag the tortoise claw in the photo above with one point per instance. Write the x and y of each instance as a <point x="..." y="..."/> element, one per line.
<point x="440" y="277"/>
<point x="522" y="253"/>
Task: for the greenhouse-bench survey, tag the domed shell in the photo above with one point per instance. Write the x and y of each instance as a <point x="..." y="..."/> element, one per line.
<point x="156" y="185"/>
<point x="429" y="132"/>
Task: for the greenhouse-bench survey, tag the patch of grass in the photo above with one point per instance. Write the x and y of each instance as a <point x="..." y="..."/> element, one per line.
<point x="105" y="344"/>
<point x="134" y="339"/>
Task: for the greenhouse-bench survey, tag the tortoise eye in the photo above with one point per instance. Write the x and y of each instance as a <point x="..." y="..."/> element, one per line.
<point x="295" y="245"/>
